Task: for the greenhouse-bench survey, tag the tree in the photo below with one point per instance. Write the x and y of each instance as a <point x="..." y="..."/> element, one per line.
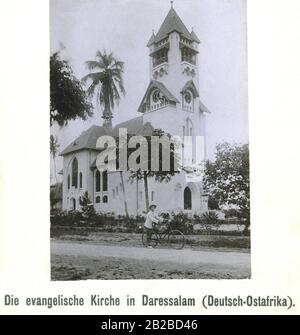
<point x="160" y="175"/>
<point x="54" y="145"/>
<point x="68" y="100"/>
<point x="124" y="194"/>
<point x="86" y="205"/>
<point x="106" y="82"/>
<point x="226" y="180"/>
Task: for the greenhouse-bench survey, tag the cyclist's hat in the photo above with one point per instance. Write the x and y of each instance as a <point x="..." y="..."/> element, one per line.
<point x="152" y="205"/>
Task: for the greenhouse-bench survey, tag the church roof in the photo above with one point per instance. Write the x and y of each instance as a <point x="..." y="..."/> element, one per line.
<point x="88" y="138"/>
<point x="132" y="126"/>
<point x="162" y="88"/>
<point x="203" y="108"/>
<point x="151" y="40"/>
<point x="172" y="23"/>
<point x="195" y="37"/>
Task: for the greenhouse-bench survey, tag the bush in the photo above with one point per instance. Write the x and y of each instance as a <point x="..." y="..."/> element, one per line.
<point x="213" y="204"/>
<point x="65" y="218"/>
<point x="108" y="222"/>
<point x="208" y="221"/>
<point x="102" y="221"/>
<point x="182" y="222"/>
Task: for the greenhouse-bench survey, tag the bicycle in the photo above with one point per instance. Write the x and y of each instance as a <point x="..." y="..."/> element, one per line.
<point x="175" y="238"/>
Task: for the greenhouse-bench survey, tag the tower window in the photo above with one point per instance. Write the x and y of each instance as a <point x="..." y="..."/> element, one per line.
<point x="68" y="181"/>
<point x="105" y="199"/>
<point x="188" y="55"/>
<point x="160" y="57"/>
<point x="188" y="128"/>
<point x="188" y="101"/>
<point x="97" y="199"/>
<point x="152" y="196"/>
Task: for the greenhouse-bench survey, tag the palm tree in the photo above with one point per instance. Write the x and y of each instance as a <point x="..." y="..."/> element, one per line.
<point x="54" y="145"/>
<point x="106" y="82"/>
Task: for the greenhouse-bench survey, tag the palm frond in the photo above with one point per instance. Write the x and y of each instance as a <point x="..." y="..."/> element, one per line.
<point x="107" y="83"/>
<point x="92" y="65"/>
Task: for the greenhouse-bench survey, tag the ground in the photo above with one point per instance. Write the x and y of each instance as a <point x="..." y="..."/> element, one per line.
<point x="122" y="256"/>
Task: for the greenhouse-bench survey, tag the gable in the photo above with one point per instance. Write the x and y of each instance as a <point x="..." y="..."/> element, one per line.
<point x="192" y="87"/>
<point x="162" y="88"/>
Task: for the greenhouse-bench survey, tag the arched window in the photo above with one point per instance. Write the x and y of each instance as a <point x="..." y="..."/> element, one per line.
<point x="105" y="199"/>
<point x="188" y="127"/>
<point x="114" y="193"/>
<point x="75" y="172"/>
<point x="68" y="181"/>
<point x="97" y="181"/>
<point x="97" y="199"/>
<point x="104" y="180"/>
<point x="117" y="190"/>
<point x="73" y="204"/>
<point x="187" y="195"/>
<point x="152" y="196"/>
<point x="80" y="180"/>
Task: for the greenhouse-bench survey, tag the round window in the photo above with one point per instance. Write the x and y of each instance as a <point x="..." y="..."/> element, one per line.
<point x="188" y="97"/>
<point x="155" y="96"/>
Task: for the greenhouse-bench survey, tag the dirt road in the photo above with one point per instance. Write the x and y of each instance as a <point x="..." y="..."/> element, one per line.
<point x="167" y="263"/>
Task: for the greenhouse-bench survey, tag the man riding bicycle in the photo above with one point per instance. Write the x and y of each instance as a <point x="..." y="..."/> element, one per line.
<point x="151" y="218"/>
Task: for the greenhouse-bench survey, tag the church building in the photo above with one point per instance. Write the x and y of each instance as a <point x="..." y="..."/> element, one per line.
<point x="171" y="103"/>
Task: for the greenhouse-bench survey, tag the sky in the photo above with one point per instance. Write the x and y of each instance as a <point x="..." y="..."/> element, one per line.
<point x="125" y="26"/>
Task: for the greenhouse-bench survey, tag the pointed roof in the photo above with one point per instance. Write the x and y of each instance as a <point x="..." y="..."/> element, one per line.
<point x="172" y="23"/>
<point x="151" y="40"/>
<point x="162" y="88"/>
<point x="195" y="37"/>
<point x="190" y="85"/>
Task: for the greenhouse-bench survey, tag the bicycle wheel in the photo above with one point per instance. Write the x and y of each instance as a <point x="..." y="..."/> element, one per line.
<point x="176" y="239"/>
<point x="153" y="242"/>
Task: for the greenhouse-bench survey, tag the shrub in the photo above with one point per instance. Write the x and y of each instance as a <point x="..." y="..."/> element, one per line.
<point x="87" y="206"/>
<point x="212" y="203"/>
<point x="65" y="218"/>
<point x="182" y="222"/>
<point x="210" y="219"/>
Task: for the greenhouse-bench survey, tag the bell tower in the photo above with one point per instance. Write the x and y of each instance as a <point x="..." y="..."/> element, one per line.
<point x="173" y="54"/>
<point x="172" y="100"/>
